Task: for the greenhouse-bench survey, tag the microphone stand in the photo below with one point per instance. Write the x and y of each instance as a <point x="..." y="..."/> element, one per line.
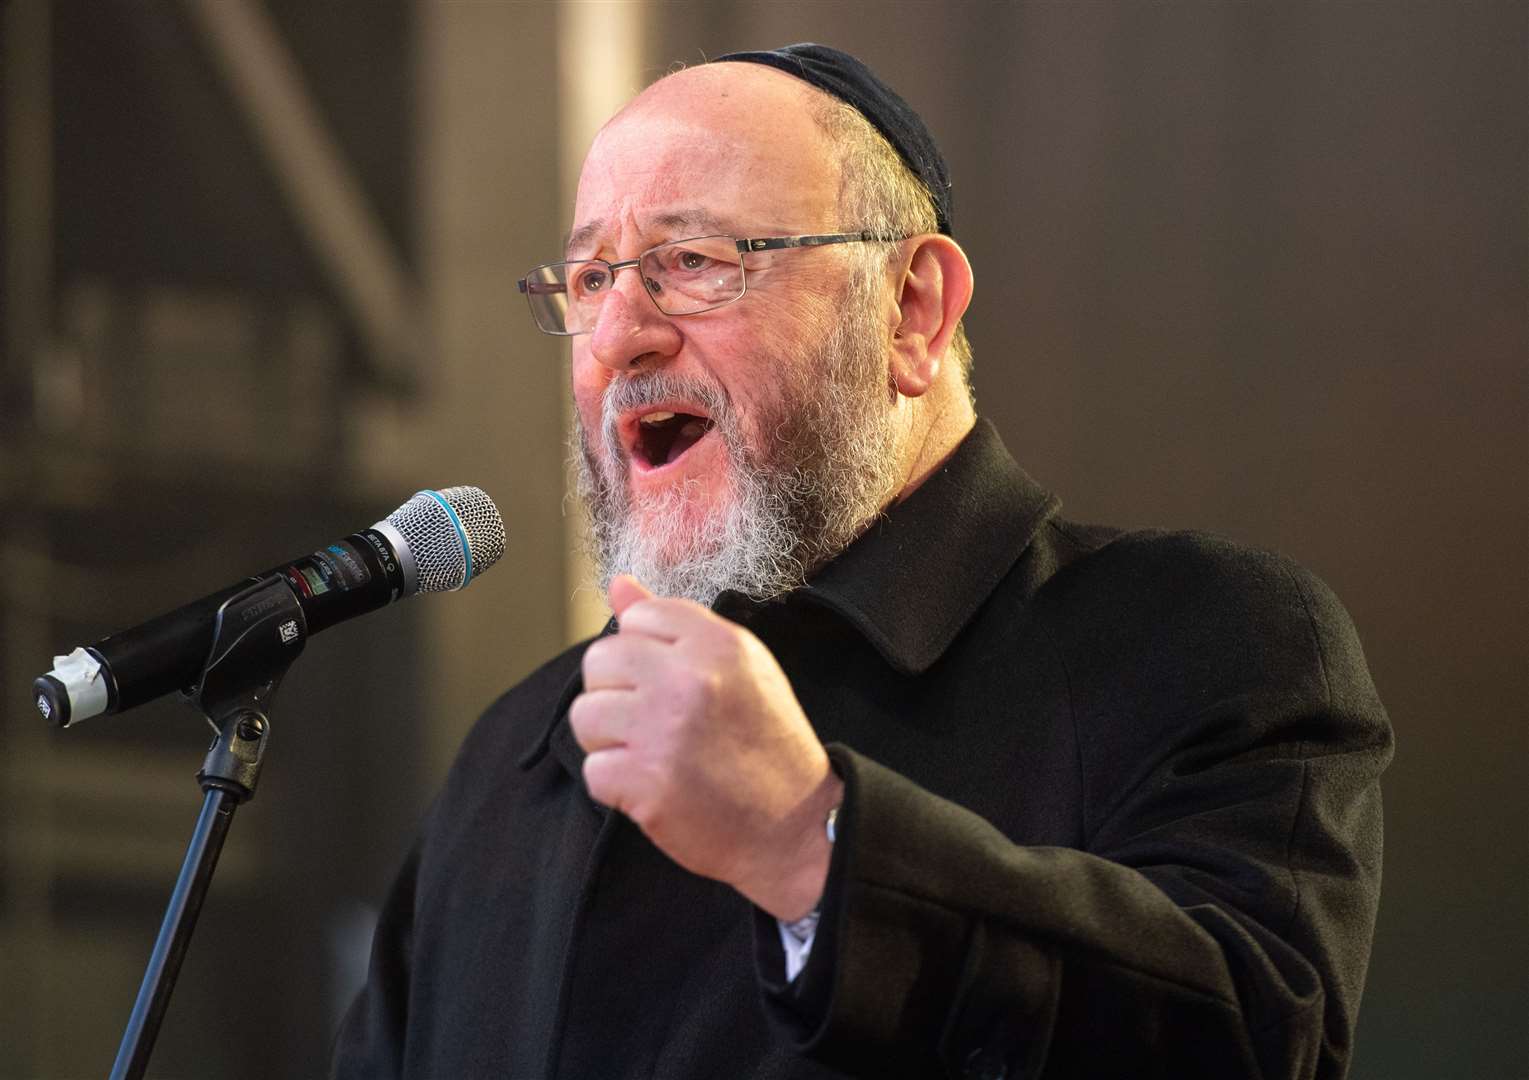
<point x="259" y="631"/>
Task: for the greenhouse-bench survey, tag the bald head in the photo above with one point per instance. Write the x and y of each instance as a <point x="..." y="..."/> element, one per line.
<point x="727" y="148"/>
<point x="722" y="92"/>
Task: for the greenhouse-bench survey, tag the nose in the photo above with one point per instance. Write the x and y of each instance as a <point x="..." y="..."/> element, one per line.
<point x="630" y="330"/>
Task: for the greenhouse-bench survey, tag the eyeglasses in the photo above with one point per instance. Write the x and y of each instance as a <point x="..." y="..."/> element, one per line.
<point x="684" y="277"/>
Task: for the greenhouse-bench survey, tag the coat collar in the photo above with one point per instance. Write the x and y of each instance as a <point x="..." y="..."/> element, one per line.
<point x="919" y="574"/>
<point x="913" y="579"/>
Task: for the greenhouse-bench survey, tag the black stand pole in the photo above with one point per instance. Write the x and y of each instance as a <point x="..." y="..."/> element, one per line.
<point x="259" y="632"/>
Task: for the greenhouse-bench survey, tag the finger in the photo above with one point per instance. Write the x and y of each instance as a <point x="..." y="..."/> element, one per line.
<point x="601" y="719"/>
<point x="622" y="661"/>
<point x="606" y="776"/>
<point x="624" y="591"/>
<point x="668" y="618"/>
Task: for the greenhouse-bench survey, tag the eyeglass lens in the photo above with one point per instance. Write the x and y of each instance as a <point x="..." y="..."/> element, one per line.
<point x="683" y="277"/>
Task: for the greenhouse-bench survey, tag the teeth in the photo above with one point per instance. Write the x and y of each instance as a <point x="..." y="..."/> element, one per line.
<point x="657" y="417"/>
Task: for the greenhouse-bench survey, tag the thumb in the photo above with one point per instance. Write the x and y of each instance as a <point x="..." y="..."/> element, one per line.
<point x="625" y="591"/>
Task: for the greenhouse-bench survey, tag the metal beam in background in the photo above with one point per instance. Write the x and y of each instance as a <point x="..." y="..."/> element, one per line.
<point x="604" y="37"/>
<point x="327" y="200"/>
<point x="30" y="997"/>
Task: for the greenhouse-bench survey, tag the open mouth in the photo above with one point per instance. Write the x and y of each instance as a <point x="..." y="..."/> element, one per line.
<point x="662" y="437"/>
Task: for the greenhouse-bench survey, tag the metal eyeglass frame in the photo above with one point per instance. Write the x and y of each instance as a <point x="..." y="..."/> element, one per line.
<point x="744" y="246"/>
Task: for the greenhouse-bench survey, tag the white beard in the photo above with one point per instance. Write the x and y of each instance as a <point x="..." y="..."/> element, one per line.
<point x="830" y="467"/>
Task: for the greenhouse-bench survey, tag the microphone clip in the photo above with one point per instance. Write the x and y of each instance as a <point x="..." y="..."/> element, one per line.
<point x="259" y="632"/>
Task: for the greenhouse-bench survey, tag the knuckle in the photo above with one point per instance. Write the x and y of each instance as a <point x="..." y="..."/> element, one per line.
<point x="732" y="645"/>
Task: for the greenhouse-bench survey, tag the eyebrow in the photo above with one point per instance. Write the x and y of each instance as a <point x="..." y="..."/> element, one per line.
<point x="696" y="218"/>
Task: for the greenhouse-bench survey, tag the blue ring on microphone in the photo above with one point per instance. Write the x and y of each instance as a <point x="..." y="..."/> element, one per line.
<point x="467" y="551"/>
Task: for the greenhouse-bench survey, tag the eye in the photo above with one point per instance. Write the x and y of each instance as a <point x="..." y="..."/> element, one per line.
<point x="693" y="261"/>
<point x="590" y="280"/>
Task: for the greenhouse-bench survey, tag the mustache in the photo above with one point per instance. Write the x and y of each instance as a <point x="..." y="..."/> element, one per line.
<point x="633" y="391"/>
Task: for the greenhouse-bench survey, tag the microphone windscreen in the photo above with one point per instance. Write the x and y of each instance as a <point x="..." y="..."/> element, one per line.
<point x="452" y="536"/>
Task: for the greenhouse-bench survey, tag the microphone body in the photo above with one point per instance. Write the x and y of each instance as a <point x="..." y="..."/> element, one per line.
<point x="437" y="541"/>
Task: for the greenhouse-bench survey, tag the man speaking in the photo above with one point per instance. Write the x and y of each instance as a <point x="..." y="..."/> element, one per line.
<point x="883" y="768"/>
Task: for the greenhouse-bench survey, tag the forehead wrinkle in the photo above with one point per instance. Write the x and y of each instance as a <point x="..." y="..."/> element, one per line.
<point x="695" y="218"/>
<point x="688" y="219"/>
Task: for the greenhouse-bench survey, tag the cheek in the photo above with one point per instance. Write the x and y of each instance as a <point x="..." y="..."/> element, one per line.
<point x="768" y="372"/>
<point x="805" y="322"/>
<point x="588" y="379"/>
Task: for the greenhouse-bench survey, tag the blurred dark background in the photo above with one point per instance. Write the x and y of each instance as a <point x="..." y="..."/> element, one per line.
<point x="1257" y="268"/>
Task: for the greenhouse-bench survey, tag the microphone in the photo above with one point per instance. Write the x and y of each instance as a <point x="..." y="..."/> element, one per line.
<point x="438" y="541"/>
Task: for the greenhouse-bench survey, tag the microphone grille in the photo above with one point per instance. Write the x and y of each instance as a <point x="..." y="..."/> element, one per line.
<point x="453" y="535"/>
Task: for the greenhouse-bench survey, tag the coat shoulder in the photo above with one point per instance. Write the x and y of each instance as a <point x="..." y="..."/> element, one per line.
<point x="516" y="722"/>
<point x="1155" y="623"/>
<point x="1161" y="578"/>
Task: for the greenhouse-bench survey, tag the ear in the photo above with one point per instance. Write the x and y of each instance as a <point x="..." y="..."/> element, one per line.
<point x="932" y="292"/>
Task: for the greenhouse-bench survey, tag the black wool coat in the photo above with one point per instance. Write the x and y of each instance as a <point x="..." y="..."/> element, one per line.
<point x="1111" y="809"/>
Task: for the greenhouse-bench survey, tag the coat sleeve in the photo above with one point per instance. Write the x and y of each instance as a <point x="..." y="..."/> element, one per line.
<point x="370" y="1042"/>
<point x="1215" y="923"/>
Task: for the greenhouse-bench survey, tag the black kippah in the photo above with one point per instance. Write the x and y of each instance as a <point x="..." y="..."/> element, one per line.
<point x="847" y="79"/>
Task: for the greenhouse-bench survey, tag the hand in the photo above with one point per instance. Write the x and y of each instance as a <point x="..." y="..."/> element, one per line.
<point x="692" y="730"/>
